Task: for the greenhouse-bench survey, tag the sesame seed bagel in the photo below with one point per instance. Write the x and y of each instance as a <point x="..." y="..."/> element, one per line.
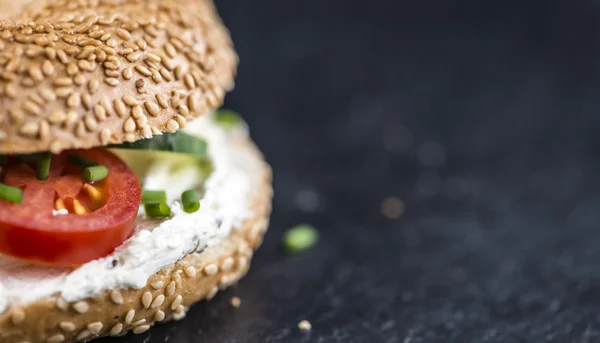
<point x="85" y="73"/>
<point x="167" y="295"/>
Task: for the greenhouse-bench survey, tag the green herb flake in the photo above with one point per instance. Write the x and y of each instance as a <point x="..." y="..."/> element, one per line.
<point x="300" y="238"/>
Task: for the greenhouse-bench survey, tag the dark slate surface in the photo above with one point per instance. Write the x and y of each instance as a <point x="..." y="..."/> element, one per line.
<point x="482" y="118"/>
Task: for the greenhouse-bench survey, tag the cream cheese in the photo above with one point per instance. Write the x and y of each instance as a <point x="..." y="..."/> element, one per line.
<point x="155" y="244"/>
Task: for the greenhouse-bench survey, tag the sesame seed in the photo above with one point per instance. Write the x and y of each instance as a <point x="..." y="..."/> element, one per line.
<point x="81" y="307"/>
<point x="100" y="56"/>
<point x="129" y="125"/>
<point x="179" y="315"/>
<point x="95" y="327"/>
<point x="127" y="73"/>
<point x="110" y="65"/>
<point x="212" y="293"/>
<point x="63" y="92"/>
<point x="162" y="100"/>
<point x="211" y="269"/>
<point x="139" y="322"/>
<point x="115" y="295"/>
<point x="158" y="301"/>
<point x="142" y="70"/>
<point x="17" y="315"/>
<point x="32" y="108"/>
<point x="190" y="271"/>
<point x="80" y="129"/>
<point x="193" y="102"/>
<point x="93" y="85"/>
<point x="105" y="136"/>
<point x="156" y="75"/>
<point x="153" y="57"/>
<point x="125" y="51"/>
<point x="100" y="112"/>
<point x="111" y="81"/>
<point x="48" y="94"/>
<point x="166" y="74"/>
<point x="11" y="91"/>
<point x="133" y="57"/>
<point x="112" y="42"/>
<point x="176" y="302"/>
<point x="130" y="100"/>
<point x="184" y="110"/>
<point x="141" y="329"/>
<point x="129" y="316"/>
<point x="157" y="284"/>
<point x="85" y="27"/>
<point x="152" y="108"/>
<point x="86" y="101"/>
<point x="74" y="100"/>
<point x="48" y="68"/>
<point x="56" y="339"/>
<point x="62" y="304"/>
<point x="189" y="81"/>
<point x="44" y="130"/>
<point x="142" y="121"/>
<point x="83" y="335"/>
<point x="235" y="302"/>
<point x="16" y="115"/>
<point x="55" y="148"/>
<point x="105" y="37"/>
<point x="170" y="50"/>
<point x="123" y="34"/>
<point x="63" y="81"/>
<point x="67" y="326"/>
<point x="147" y="299"/>
<point x="172" y="125"/>
<point x="155" y="131"/>
<point x="305" y="326"/>
<point x="116" y="329"/>
<point x="72" y="69"/>
<point x="179" y="71"/>
<point x="159" y="316"/>
<point x="227" y="264"/>
<point x="242" y="261"/>
<point x="72" y="117"/>
<point x="78" y="79"/>
<point x="120" y="107"/>
<point x="170" y="289"/>
<point x="62" y="56"/>
<point x="29" y="129"/>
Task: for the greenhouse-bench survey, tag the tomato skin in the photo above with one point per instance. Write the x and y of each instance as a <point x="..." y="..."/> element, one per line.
<point x="31" y="232"/>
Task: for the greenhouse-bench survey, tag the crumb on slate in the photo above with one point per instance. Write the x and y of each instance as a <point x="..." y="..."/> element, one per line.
<point x="392" y="207"/>
<point x="235" y="302"/>
<point x="304" y="326"/>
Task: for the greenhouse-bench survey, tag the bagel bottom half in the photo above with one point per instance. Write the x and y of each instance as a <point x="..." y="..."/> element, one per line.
<point x="167" y="295"/>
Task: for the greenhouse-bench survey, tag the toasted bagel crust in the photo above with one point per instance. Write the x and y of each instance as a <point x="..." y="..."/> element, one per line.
<point x="85" y="73"/>
<point x="167" y="295"/>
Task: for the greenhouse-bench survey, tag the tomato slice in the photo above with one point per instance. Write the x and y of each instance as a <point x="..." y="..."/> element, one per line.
<point x="32" y="230"/>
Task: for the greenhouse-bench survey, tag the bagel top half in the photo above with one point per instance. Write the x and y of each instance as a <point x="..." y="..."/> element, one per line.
<point x="85" y="73"/>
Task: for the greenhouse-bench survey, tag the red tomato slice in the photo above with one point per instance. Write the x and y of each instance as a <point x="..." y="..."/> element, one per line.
<point x="30" y="231"/>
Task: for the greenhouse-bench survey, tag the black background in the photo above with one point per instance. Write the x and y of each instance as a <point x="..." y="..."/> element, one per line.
<point x="480" y="115"/>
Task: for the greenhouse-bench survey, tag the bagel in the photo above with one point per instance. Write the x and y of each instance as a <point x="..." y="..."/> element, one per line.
<point x="94" y="74"/>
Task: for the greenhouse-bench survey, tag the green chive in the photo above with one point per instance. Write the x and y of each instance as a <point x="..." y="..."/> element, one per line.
<point x="12" y="194"/>
<point x="228" y="118"/>
<point x="191" y="201"/>
<point x="157" y="210"/>
<point x="299" y="238"/>
<point x="42" y="168"/>
<point x="172" y="142"/>
<point x="95" y="173"/>
<point x="81" y="161"/>
<point x="154" y="197"/>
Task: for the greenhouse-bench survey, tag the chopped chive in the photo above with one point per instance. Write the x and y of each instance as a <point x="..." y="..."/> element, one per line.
<point x="154" y="197"/>
<point x="179" y="142"/>
<point x="227" y="118"/>
<point x="191" y="201"/>
<point x="42" y="168"/>
<point x="81" y="161"/>
<point x="300" y="238"/>
<point x="95" y="173"/>
<point x="12" y="194"/>
<point x="157" y="210"/>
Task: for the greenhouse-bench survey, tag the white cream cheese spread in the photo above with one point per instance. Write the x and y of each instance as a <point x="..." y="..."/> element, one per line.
<point x="155" y="243"/>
